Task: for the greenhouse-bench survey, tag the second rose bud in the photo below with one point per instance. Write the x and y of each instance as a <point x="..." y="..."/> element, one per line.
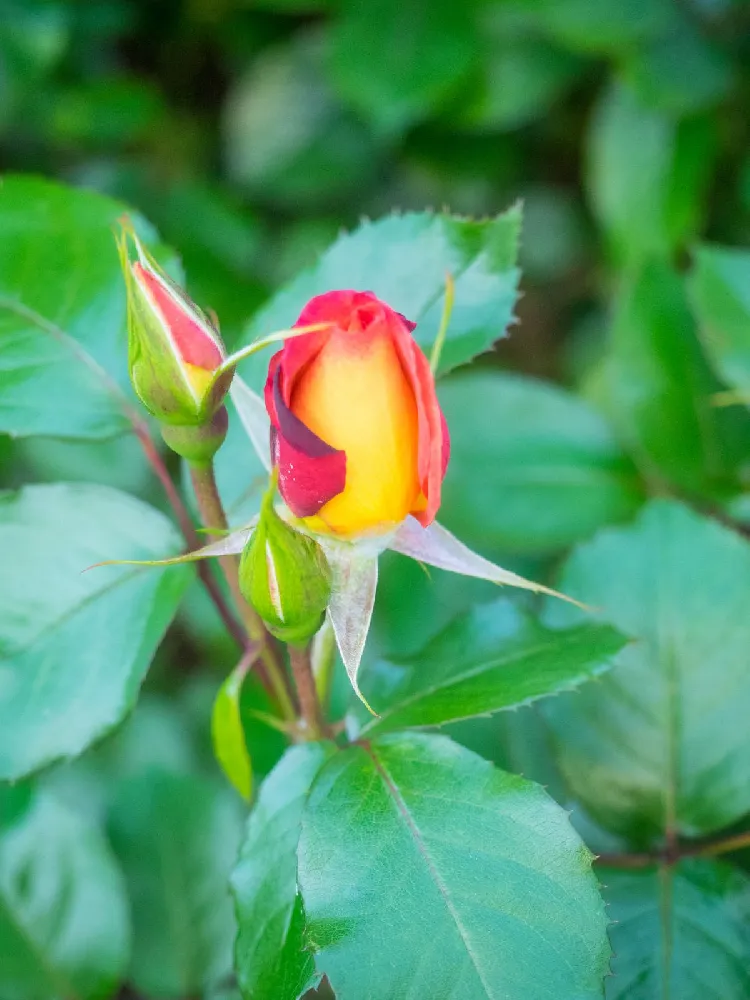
<point x="284" y="575"/>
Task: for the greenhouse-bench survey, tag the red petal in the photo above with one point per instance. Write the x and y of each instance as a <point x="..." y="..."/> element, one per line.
<point x="194" y="345"/>
<point x="311" y="472"/>
<point x="434" y="440"/>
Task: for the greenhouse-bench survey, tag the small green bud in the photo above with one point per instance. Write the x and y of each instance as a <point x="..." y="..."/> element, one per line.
<point x="175" y="353"/>
<point x="197" y="445"/>
<point x="284" y="575"/>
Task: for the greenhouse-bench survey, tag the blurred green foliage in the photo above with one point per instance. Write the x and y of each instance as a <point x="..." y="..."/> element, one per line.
<point x="250" y="133"/>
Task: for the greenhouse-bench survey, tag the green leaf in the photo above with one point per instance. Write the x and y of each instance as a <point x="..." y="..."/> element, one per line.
<point x="659" y="743"/>
<point x="394" y="60"/>
<point x="493" y="658"/>
<point x="177" y="838"/>
<point x="75" y="646"/>
<point x="679" y="932"/>
<point x="719" y="286"/>
<point x="64" y="932"/>
<point x="62" y="311"/>
<point x="403" y="259"/>
<point x="271" y="958"/>
<point x="426" y="872"/>
<point x="647" y="174"/>
<point x="659" y="388"/>
<point x="532" y="468"/>
<point x="228" y="734"/>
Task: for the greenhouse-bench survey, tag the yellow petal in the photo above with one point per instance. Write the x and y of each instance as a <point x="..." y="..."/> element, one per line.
<point x="355" y="396"/>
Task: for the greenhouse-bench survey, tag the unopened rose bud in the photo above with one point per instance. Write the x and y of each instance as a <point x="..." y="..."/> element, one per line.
<point x="284" y="575"/>
<point x="357" y="433"/>
<point x="174" y="350"/>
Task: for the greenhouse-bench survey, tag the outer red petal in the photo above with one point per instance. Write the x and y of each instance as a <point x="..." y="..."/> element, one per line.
<point x="311" y="472"/>
<point x="195" y="346"/>
<point x="434" y="440"/>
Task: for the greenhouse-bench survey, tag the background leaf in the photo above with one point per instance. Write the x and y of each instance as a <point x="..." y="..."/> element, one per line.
<point x="75" y="646"/>
<point x="646" y="174"/>
<point x="271" y="956"/>
<point x="658" y="743"/>
<point x="395" y="59"/>
<point x="426" y="872"/>
<point x="177" y="837"/>
<point x="59" y="268"/>
<point x="532" y="467"/>
<point x="679" y="932"/>
<point x="493" y="658"/>
<point x="659" y="389"/>
<point x="64" y="932"/>
<point x="720" y="292"/>
<point x="403" y="259"/>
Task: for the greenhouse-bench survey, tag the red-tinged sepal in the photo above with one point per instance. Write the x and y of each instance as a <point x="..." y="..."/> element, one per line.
<point x="175" y="354"/>
<point x="435" y="546"/>
<point x="354" y="581"/>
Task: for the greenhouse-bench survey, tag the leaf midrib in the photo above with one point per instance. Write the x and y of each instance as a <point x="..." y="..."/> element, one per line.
<point x="440" y="885"/>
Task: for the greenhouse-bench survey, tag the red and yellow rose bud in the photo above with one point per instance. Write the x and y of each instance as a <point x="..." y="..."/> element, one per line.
<point x="357" y="434"/>
<point x="175" y="352"/>
<point x="284" y="575"/>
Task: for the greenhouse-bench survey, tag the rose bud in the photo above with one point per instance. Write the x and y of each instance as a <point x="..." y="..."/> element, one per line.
<point x="357" y="433"/>
<point x="174" y="350"/>
<point x="284" y="575"/>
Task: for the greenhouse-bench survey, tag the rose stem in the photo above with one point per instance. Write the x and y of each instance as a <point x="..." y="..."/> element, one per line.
<point x="233" y="626"/>
<point x="213" y="517"/>
<point x="299" y="657"/>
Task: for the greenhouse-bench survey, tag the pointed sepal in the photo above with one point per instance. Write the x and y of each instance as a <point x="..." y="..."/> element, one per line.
<point x="229" y="545"/>
<point x="436" y="546"/>
<point x="354" y="581"/>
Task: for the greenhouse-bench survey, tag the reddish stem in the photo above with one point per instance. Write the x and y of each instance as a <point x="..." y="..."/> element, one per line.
<point x="187" y="528"/>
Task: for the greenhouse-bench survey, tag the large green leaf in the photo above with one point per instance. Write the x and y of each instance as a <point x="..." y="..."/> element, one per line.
<point x="659" y="388"/>
<point x="396" y="59"/>
<point x="660" y="742"/>
<point x="64" y="932"/>
<point x="62" y="311"/>
<point x="532" y="468"/>
<point x="404" y="260"/>
<point x="647" y="174"/>
<point x="426" y="872"/>
<point x="495" y="657"/>
<point x="271" y="958"/>
<point x="177" y="838"/>
<point x="75" y="646"/>
<point x="720" y="291"/>
<point x="679" y="932"/>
